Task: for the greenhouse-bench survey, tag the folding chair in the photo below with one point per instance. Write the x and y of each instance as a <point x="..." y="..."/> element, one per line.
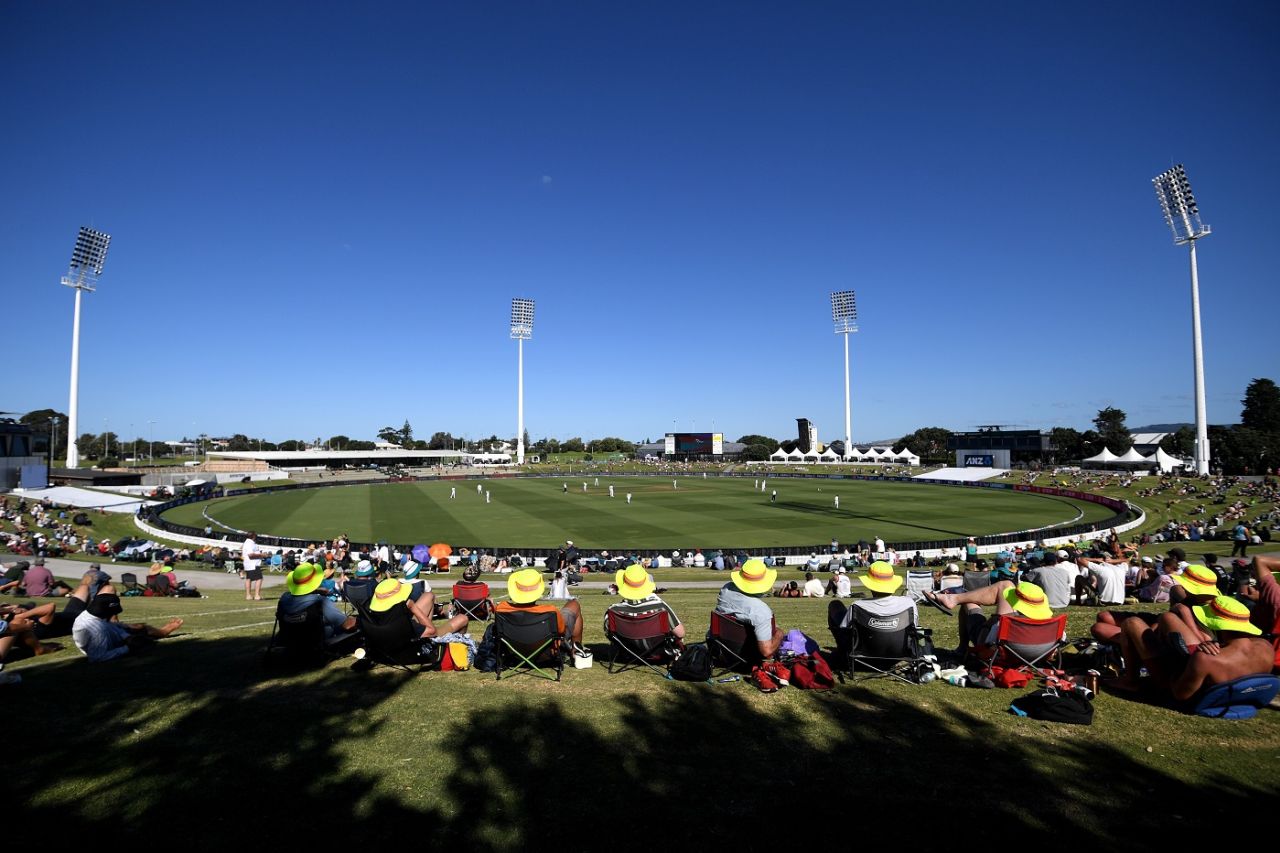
<point x="528" y="637"/>
<point x="130" y="583"/>
<point x="358" y="594"/>
<point x="391" y="638"/>
<point x="732" y="643"/>
<point x="976" y="580"/>
<point x="473" y="600"/>
<point x="158" y="585"/>
<point x="1029" y="645"/>
<point x="919" y="581"/>
<point x="647" y="638"/>
<point x="893" y="646"/>
<point x="301" y="637"/>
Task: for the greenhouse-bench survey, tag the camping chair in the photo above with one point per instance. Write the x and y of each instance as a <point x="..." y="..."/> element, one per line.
<point x="647" y="638"/>
<point x="301" y="637"/>
<point x="919" y="581"/>
<point x="473" y="600"/>
<point x="158" y="585"/>
<point x="976" y="580"/>
<point x="1238" y="699"/>
<point x="130" y="583"/>
<point x="1028" y="645"/>
<point x="358" y="595"/>
<point x="529" y="637"/>
<point x="732" y="643"/>
<point x="391" y="638"/>
<point x="893" y="646"/>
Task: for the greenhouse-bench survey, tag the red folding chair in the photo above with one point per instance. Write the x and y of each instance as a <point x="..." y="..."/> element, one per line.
<point x="473" y="600"/>
<point x="732" y="642"/>
<point x="647" y="638"/>
<point x="1028" y="645"/>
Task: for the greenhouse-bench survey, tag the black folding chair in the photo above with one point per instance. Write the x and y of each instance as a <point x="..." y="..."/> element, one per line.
<point x="646" y="638"/>
<point x="526" y="639"/>
<point x="300" y="636"/>
<point x="391" y="638"/>
<point x="893" y="645"/>
<point x="732" y="643"/>
<point x="130" y="583"/>
<point x="358" y="594"/>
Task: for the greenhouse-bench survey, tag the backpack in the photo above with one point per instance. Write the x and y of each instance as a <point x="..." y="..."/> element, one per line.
<point x="1067" y="706"/>
<point x="693" y="665"/>
<point x="811" y="672"/>
<point x="486" y="658"/>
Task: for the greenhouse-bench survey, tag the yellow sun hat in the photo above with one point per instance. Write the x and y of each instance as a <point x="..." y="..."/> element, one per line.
<point x="1198" y="580"/>
<point x="1224" y="613"/>
<point x="880" y="577"/>
<point x="634" y="583"/>
<point x="525" y="586"/>
<point x="388" y="594"/>
<point x="305" y="579"/>
<point x="1029" y="600"/>
<point x="754" y="578"/>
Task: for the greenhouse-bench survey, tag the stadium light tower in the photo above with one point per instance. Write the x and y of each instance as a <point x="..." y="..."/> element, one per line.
<point x="521" y="331"/>
<point x="87" y="258"/>
<point x="1183" y="217"/>
<point x="844" y="313"/>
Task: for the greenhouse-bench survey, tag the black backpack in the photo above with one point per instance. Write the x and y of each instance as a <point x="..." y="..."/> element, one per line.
<point x="1066" y="706"/>
<point x="694" y="664"/>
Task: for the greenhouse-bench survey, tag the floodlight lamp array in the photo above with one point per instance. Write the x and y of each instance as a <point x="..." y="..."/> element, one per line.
<point x="90" y="252"/>
<point x="521" y="319"/>
<point x="1181" y="213"/>
<point x="844" y="311"/>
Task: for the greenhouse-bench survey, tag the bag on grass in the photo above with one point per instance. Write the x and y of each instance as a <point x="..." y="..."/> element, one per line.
<point x="812" y="672"/>
<point x="693" y="665"/>
<point x="1066" y="706"/>
<point x="486" y="659"/>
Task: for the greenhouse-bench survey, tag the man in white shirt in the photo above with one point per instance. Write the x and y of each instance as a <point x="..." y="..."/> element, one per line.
<point x="1102" y="579"/>
<point x="812" y="587"/>
<point x="251" y="559"/>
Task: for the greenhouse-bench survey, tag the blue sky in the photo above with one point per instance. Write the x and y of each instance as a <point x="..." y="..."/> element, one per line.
<point x="320" y="213"/>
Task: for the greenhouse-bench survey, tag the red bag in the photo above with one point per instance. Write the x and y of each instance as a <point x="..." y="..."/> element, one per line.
<point x="811" y="672"/>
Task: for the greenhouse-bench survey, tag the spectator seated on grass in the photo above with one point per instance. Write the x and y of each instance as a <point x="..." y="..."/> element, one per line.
<point x="741" y="598"/>
<point x="391" y="599"/>
<point x="1025" y="599"/>
<point x="39" y="582"/>
<point x="1195" y="585"/>
<point x="1102" y="579"/>
<point x="524" y="588"/>
<point x="1190" y="648"/>
<point x="637" y="590"/>
<point x="48" y="621"/>
<point x="1262" y="592"/>
<point x="1057" y="579"/>
<point x="100" y="636"/>
<point x="302" y="590"/>
<point x="13" y="573"/>
<point x="883" y="583"/>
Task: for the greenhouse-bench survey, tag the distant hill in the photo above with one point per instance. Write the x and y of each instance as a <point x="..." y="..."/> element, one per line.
<point x="1160" y="428"/>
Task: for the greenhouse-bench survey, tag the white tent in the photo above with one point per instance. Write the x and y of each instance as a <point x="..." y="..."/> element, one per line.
<point x="829" y="455"/>
<point x="907" y="456"/>
<point x="1105" y="456"/>
<point x="795" y="455"/>
<point x="1132" y="455"/>
<point x="1165" y="462"/>
<point x="778" y="455"/>
<point x="854" y="453"/>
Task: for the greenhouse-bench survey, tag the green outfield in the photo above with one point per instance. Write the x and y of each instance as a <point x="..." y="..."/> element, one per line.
<point x="713" y="512"/>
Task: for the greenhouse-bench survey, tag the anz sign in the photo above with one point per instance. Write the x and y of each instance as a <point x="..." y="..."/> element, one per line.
<point x="979" y="461"/>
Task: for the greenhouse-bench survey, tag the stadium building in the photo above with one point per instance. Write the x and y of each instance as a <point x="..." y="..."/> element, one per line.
<point x="993" y="447"/>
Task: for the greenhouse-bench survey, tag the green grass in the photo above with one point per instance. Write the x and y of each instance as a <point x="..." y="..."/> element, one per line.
<point x="198" y="744"/>
<point x="709" y="513"/>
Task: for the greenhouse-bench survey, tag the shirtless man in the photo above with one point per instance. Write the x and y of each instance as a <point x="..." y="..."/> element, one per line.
<point x="1194" y="647"/>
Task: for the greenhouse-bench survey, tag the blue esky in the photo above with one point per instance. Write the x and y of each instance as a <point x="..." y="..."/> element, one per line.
<point x="320" y="213"/>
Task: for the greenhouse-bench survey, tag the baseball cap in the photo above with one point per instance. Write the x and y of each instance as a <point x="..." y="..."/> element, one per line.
<point x="105" y="606"/>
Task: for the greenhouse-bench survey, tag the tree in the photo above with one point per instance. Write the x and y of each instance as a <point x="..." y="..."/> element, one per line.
<point x="756" y="452"/>
<point x="749" y="440"/>
<point x="1261" y="406"/>
<point x="1067" y="443"/>
<point x="1112" y="430"/>
<point x="239" y="442"/>
<point x="85" y="445"/>
<point x="406" y="435"/>
<point x="291" y="446"/>
<point x="572" y="445"/>
<point x="1180" y="443"/>
<point x="389" y="434"/>
<point x="929" y="443"/>
<point x="440" y="441"/>
<point x="1241" y="450"/>
<point x="338" y="442"/>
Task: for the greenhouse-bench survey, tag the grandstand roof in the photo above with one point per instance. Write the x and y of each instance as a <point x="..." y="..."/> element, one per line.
<point x="319" y="456"/>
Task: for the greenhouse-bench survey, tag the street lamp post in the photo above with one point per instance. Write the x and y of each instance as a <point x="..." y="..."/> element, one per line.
<point x="151" y="444"/>
<point x="521" y="331"/>
<point x="1183" y="218"/>
<point x="844" y="314"/>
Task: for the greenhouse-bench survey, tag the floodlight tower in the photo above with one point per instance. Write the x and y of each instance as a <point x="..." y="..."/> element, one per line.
<point x="87" y="258"/>
<point x="844" y="313"/>
<point x="1183" y="217"/>
<point x="521" y="331"/>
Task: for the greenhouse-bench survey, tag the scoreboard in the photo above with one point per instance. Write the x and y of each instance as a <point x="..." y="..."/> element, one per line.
<point x="694" y="444"/>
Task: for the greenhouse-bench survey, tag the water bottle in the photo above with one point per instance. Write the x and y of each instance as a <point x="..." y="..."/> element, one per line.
<point x="927" y="676"/>
<point x="957" y="680"/>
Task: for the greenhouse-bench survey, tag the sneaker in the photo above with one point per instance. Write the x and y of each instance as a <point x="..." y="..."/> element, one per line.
<point x="764" y="681"/>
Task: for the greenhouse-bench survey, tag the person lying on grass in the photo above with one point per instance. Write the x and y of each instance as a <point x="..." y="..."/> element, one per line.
<point x="100" y="636"/>
<point x="1193" y="647"/>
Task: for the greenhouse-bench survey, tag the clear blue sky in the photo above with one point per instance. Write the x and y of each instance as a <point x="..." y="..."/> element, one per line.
<point x="320" y="212"/>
